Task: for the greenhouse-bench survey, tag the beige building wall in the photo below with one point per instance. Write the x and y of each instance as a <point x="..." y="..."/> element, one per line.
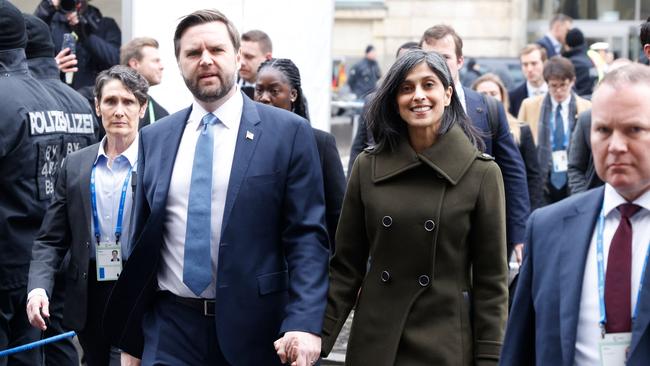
<point x="488" y="27"/>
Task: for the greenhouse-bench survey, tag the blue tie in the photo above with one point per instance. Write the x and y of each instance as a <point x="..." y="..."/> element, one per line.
<point x="558" y="179"/>
<point x="197" y="266"/>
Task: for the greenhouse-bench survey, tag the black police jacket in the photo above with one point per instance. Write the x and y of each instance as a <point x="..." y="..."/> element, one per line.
<point x="33" y="132"/>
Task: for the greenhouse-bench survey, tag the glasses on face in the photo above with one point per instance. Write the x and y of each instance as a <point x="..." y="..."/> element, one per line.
<point x="556" y="85"/>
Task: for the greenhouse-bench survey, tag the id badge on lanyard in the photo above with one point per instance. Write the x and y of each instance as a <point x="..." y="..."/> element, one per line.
<point x="108" y="254"/>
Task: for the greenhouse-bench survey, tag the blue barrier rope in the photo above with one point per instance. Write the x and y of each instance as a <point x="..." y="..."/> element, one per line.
<point x="40" y="343"/>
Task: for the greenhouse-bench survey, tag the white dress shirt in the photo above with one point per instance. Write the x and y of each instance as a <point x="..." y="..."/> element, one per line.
<point x="533" y="91"/>
<point x="588" y="333"/>
<point x="556" y="44"/>
<point x="109" y="181"/>
<point x="461" y="95"/>
<point x="170" y="274"/>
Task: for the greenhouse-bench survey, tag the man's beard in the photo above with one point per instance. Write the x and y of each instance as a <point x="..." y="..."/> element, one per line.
<point x="207" y="93"/>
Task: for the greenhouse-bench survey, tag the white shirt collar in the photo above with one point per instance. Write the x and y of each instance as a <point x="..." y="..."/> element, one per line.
<point x="131" y="153"/>
<point x="613" y="199"/>
<point x="565" y="104"/>
<point x="556" y="44"/>
<point x="543" y="89"/>
<point x="229" y="113"/>
<point x="461" y="94"/>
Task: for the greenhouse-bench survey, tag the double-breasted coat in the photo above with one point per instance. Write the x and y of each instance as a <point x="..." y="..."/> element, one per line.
<point x="433" y="226"/>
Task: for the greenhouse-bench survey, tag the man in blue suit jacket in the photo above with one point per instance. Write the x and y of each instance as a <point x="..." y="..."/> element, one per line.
<point x="268" y="252"/>
<point x="499" y="142"/>
<point x="556" y="317"/>
<point x="553" y="41"/>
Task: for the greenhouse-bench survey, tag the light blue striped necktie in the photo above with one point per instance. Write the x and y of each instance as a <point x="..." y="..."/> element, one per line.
<point x="197" y="264"/>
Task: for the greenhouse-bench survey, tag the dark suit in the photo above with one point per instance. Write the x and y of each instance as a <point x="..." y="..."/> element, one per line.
<point x="548" y="46"/>
<point x="273" y="257"/>
<point x="66" y="228"/>
<point x="508" y="158"/>
<point x="544" y="318"/>
<point x="581" y="170"/>
<point x="158" y="113"/>
<point x="333" y="180"/>
<point x="516" y="96"/>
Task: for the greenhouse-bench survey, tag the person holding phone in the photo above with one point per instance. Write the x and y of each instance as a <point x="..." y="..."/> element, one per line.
<point x="97" y="39"/>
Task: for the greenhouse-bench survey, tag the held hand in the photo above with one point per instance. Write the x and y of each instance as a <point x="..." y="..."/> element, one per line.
<point x="34" y="306"/>
<point x="299" y="348"/>
<point x="519" y="252"/>
<point x="128" y="360"/>
<point x="66" y="61"/>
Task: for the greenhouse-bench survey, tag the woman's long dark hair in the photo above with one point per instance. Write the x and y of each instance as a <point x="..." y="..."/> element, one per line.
<point x="383" y="117"/>
<point x="287" y="68"/>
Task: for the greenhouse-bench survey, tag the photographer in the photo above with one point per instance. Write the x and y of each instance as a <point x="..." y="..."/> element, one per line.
<point x="98" y="38"/>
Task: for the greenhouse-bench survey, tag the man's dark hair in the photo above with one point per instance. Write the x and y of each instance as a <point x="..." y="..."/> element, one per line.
<point x="201" y="17"/>
<point x="559" y="68"/>
<point x="260" y="38"/>
<point x="407" y="46"/>
<point x="644" y="35"/>
<point x="133" y="49"/>
<point x="383" y="116"/>
<point x="132" y="81"/>
<point x="440" y="31"/>
<point x="290" y="71"/>
<point x="557" y="18"/>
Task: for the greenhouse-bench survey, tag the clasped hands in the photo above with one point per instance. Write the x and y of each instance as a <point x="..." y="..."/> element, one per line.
<point x="298" y="348"/>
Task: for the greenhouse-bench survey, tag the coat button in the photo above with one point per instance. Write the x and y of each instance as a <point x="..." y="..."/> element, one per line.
<point x="84" y="275"/>
<point x="387" y="221"/>
<point x="87" y="244"/>
<point x="385" y="276"/>
<point x="429" y="225"/>
<point x="423" y="280"/>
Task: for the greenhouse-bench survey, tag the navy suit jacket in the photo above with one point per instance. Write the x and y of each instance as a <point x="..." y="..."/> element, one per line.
<point x="516" y="96"/>
<point x="507" y="156"/>
<point x="544" y="317"/>
<point x="548" y="46"/>
<point x="273" y="254"/>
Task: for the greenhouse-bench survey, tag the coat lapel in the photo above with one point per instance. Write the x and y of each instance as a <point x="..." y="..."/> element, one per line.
<point x="84" y="179"/>
<point x="578" y="227"/>
<point x="169" y="137"/>
<point x="244" y="148"/>
<point x="544" y="136"/>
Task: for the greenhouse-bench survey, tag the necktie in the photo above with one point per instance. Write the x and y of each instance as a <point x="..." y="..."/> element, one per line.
<point x="558" y="179"/>
<point x="618" y="276"/>
<point x="197" y="269"/>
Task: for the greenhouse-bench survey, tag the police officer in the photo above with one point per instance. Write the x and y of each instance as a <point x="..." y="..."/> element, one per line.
<point x="42" y="66"/>
<point x="33" y="129"/>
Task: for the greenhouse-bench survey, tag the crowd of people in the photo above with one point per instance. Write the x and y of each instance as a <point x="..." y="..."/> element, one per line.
<point x="226" y="233"/>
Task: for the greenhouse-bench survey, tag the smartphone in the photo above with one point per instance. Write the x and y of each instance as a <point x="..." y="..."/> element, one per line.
<point x="69" y="41"/>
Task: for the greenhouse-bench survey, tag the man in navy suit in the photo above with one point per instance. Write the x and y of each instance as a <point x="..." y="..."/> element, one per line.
<point x="580" y="286"/>
<point x="532" y="58"/>
<point x="221" y="291"/>
<point x="555" y="38"/>
<point x="499" y="142"/>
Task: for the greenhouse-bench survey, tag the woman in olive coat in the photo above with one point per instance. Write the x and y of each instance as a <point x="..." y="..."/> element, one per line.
<point x="421" y="240"/>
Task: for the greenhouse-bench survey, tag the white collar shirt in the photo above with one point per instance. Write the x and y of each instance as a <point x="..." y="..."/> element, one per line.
<point x="588" y="332"/>
<point x="556" y="44"/>
<point x="533" y="91"/>
<point x="109" y="181"/>
<point x="461" y="95"/>
<point x="170" y="274"/>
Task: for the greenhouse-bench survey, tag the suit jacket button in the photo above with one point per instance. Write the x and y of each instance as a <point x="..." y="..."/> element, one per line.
<point x="385" y="276"/>
<point x="84" y="275"/>
<point x="429" y="225"/>
<point x="387" y="221"/>
<point x="424" y="280"/>
<point x="87" y="245"/>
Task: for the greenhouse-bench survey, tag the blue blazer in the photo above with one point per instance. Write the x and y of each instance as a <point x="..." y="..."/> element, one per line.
<point x="508" y="157"/>
<point x="544" y="316"/>
<point x="273" y="255"/>
<point x="548" y="46"/>
<point x="516" y="96"/>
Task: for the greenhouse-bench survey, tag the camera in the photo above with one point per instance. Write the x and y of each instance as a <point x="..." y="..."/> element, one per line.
<point x="68" y="5"/>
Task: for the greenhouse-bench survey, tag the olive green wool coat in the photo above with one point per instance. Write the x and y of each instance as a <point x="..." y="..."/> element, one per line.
<point x="433" y="224"/>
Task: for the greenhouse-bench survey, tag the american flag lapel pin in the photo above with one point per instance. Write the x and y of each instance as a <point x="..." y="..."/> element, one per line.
<point x="249" y="135"/>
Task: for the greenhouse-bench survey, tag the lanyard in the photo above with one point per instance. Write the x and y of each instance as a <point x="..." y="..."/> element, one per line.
<point x="152" y="116"/>
<point x="566" y="130"/>
<point x="601" y="273"/>
<point x="120" y="212"/>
